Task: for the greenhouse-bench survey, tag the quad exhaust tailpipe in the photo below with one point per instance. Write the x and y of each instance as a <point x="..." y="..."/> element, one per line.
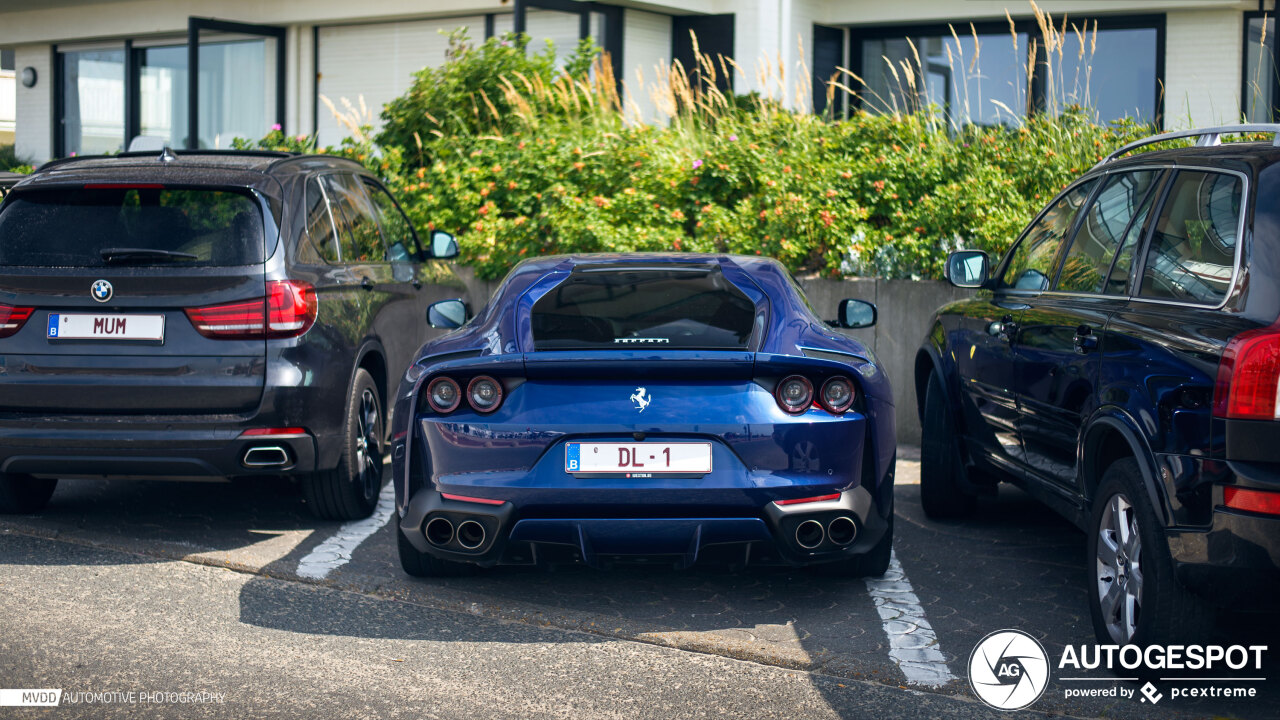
<point x="471" y="534"/>
<point x="842" y="530"/>
<point x="272" y="456"/>
<point x="809" y="534"/>
<point x="439" y="531"/>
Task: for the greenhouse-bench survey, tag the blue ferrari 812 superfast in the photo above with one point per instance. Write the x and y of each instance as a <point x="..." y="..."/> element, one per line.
<point x="613" y="408"/>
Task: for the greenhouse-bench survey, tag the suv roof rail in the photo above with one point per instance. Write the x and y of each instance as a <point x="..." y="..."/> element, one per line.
<point x="175" y="153"/>
<point x="1208" y="137"/>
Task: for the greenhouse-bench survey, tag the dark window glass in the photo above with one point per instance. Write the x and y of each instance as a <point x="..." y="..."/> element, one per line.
<point x="356" y="220"/>
<point x="1033" y="260"/>
<point x="1193" y="249"/>
<point x="72" y="228"/>
<point x="92" y="101"/>
<point x="1076" y="78"/>
<point x="402" y="245"/>
<point x="320" y="224"/>
<point x="908" y="74"/>
<point x="1260" y="69"/>
<point x="6" y="60"/>
<point x="1102" y="230"/>
<point x="643" y="308"/>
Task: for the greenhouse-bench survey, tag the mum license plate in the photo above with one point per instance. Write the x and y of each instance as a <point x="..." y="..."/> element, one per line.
<point x="100" y="326"/>
<point x="637" y="458"/>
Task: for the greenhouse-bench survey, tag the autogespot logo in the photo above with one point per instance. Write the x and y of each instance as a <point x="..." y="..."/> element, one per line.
<point x="1008" y="670"/>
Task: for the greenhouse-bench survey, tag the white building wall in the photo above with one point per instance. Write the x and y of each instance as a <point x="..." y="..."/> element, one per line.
<point x="1204" y="54"/>
<point x="34" y="106"/>
<point x="646" y="57"/>
<point x="8" y="99"/>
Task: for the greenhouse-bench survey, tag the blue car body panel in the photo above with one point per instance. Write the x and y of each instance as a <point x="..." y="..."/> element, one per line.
<point x="515" y="457"/>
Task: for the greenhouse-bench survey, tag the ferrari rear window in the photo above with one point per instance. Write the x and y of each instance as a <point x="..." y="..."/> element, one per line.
<point x="625" y="308"/>
<point x="130" y="226"/>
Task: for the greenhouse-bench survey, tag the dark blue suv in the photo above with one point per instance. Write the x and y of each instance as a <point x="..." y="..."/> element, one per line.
<point x="1120" y="364"/>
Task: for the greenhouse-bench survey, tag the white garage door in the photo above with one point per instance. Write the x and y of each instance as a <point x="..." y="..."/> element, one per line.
<point x="377" y="62"/>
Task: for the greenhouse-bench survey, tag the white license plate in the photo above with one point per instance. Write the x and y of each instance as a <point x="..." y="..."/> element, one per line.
<point x="637" y="458"/>
<point x="101" y="326"/>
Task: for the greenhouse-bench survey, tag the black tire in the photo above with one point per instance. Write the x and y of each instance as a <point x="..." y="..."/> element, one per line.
<point x="23" y="494"/>
<point x="1163" y="612"/>
<point x="350" y="491"/>
<point x="941" y="469"/>
<point x="422" y="565"/>
<point x="872" y="563"/>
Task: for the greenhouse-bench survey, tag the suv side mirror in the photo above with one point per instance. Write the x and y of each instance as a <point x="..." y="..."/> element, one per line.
<point x="967" y="268"/>
<point x="448" y="314"/>
<point x="443" y="245"/>
<point x="855" y="313"/>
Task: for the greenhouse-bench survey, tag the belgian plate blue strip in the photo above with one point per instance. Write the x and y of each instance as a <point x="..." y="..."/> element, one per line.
<point x="336" y="551"/>
<point x="912" y="643"/>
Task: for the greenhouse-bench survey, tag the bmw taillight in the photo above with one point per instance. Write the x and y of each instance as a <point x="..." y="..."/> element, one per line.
<point x="794" y="394"/>
<point x="484" y="394"/>
<point x="444" y="395"/>
<point x="289" y="310"/>
<point x="1247" y="386"/>
<point x="13" y="318"/>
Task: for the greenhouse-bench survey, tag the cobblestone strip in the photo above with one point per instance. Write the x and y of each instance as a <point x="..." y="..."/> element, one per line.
<point x="336" y="551"/>
<point x="912" y="642"/>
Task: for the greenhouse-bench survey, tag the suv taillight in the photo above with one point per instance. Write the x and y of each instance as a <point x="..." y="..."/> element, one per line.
<point x="1247" y="376"/>
<point x="13" y="318"/>
<point x="289" y="310"/>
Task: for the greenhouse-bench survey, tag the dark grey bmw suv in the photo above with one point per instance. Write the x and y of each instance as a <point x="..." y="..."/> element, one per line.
<point x="207" y="315"/>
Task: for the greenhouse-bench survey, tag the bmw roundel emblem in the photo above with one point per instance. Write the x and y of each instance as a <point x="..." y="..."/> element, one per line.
<point x="101" y="290"/>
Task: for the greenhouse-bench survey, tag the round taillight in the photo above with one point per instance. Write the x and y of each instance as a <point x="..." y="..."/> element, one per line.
<point x="837" y="395"/>
<point x="444" y="395"/>
<point x="484" y="393"/>
<point x="794" y="394"/>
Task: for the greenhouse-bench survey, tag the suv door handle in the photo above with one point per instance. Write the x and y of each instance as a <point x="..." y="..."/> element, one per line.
<point x="1086" y="341"/>
<point x="366" y="283"/>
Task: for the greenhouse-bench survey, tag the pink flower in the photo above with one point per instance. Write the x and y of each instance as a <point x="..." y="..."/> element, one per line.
<point x="276" y="126"/>
<point x="697" y="164"/>
<point x="733" y="138"/>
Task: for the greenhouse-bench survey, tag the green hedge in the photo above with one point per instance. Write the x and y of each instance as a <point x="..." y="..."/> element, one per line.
<point x="546" y="162"/>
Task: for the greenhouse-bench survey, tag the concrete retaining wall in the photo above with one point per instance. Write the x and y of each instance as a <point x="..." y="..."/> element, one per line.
<point x="905" y="307"/>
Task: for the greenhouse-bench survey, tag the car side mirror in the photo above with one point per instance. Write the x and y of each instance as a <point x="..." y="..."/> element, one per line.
<point x="855" y="313"/>
<point x="968" y="268"/>
<point x="447" y="314"/>
<point x="443" y="245"/>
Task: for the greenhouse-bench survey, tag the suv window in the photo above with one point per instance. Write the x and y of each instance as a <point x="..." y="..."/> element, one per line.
<point x="1193" y="248"/>
<point x="402" y="244"/>
<point x="1033" y="260"/>
<point x="355" y="217"/>
<point x="1108" y="222"/>
<point x="319" y="224"/>
<point x="625" y="309"/>
<point x="157" y="226"/>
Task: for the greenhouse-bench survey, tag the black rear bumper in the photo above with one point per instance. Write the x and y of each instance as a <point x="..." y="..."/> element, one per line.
<point x="157" y="448"/>
<point x="1235" y="563"/>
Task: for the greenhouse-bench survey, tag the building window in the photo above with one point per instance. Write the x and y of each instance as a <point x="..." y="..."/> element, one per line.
<point x="92" y="101"/>
<point x="1261" y="81"/>
<point x="979" y="72"/>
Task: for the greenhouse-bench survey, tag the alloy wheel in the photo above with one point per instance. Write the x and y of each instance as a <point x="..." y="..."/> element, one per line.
<point x="368" y="447"/>
<point x="1119" y="568"/>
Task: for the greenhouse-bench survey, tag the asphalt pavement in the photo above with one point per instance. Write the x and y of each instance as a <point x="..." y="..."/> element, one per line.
<point x="235" y="596"/>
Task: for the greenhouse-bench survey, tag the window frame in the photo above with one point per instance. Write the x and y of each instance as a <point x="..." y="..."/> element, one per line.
<point x="1244" y="64"/>
<point x="416" y="253"/>
<point x="1144" y="247"/>
<point x="1070" y="234"/>
<point x="1036" y="104"/>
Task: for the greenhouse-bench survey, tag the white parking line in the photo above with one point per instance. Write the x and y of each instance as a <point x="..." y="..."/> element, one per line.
<point x="912" y="642"/>
<point x="336" y="551"/>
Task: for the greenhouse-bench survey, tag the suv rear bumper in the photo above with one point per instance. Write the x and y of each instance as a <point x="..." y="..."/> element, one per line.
<point x="158" y="448"/>
<point x="1236" y="562"/>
